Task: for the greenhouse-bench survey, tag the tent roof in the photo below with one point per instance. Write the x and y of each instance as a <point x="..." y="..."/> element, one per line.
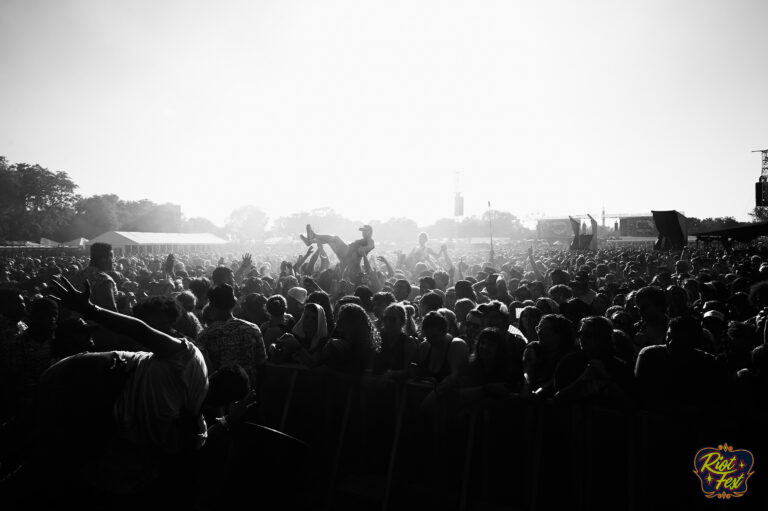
<point x="743" y="232"/>
<point x="77" y="242"/>
<point x="157" y="238"/>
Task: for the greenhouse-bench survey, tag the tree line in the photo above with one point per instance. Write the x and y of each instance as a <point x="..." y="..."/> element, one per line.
<point x="36" y="202"/>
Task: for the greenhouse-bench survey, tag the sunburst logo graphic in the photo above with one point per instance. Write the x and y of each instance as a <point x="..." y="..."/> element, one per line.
<point x="724" y="471"/>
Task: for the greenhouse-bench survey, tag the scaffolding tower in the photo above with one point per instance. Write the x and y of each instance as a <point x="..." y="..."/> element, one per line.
<point x="761" y="187"/>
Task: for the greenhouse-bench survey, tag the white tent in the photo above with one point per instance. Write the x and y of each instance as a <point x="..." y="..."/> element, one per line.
<point x="129" y="243"/>
<point x="77" y="242"/>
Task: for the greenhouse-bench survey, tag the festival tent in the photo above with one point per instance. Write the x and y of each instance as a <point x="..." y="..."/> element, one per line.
<point x="129" y="243"/>
<point x="77" y="242"/>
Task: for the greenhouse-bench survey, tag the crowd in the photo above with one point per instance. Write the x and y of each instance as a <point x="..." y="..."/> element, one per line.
<point x="154" y="360"/>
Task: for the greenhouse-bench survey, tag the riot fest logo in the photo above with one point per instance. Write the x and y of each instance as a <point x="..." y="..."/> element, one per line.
<point x="724" y="471"/>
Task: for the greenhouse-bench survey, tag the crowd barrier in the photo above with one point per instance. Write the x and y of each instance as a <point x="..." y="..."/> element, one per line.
<point x="383" y="447"/>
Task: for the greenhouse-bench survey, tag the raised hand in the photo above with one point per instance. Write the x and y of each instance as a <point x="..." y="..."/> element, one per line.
<point x="64" y="293"/>
<point x="237" y="412"/>
<point x="247" y="261"/>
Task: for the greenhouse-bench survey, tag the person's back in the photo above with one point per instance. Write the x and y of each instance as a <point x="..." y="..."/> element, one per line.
<point x="229" y="340"/>
<point x="103" y="287"/>
<point x="678" y="375"/>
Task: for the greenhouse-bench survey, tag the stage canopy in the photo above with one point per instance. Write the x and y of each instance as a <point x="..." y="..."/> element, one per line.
<point x="745" y="232"/>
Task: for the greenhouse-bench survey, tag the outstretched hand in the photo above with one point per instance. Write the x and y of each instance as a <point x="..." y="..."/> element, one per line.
<point x="247" y="261"/>
<point x="64" y="293"/>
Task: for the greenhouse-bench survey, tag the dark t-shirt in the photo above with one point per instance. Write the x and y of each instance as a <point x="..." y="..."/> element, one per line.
<point x="669" y="381"/>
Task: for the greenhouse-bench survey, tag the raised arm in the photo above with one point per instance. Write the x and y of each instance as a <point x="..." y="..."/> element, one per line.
<point x="536" y="271"/>
<point x="245" y="265"/>
<point x="155" y="341"/>
<point x="390" y="271"/>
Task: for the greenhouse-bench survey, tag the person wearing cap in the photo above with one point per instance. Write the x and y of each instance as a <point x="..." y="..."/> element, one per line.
<point x="350" y="255"/>
<point x="296" y="296"/>
<point x="228" y="340"/>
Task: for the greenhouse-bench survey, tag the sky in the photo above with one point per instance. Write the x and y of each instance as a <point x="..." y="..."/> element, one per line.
<point x="386" y="109"/>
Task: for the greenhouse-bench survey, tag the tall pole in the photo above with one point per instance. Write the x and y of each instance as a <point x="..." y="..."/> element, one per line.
<point x="490" y="226"/>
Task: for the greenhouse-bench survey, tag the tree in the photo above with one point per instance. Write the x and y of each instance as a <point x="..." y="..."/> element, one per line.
<point x="246" y="224"/>
<point x="93" y="216"/>
<point x="395" y="229"/>
<point x="146" y="216"/>
<point x="200" y="224"/>
<point x="34" y="201"/>
<point x="696" y="225"/>
<point x="759" y="214"/>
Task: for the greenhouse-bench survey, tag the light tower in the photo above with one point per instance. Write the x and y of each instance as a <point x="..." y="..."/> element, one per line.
<point x="761" y="187"/>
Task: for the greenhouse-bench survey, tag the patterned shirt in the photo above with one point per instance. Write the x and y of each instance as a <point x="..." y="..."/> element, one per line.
<point x="233" y="341"/>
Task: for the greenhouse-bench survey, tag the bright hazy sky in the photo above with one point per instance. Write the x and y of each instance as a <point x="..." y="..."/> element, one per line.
<point x="553" y="107"/>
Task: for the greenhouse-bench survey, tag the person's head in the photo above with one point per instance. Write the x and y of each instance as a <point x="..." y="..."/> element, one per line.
<point x="223" y="275"/>
<point x="227" y="385"/>
<point x="402" y="290"/>
<point x="556" y="334"/>
<point x="529" y="318"/>
<point x="560" y="293"/>
<point x="575" y="309"/>
<point x="423" y="238"/>
<point x="434" y="327"/>
<point x="600" y="304"/>
<point x="366" y="297"/>
<point x="222" y="298"/>
<point x="595" y="336"/>
<point x="380" y="302"/>
<point x="187" y="300"/>
<point x="159" y="312"/>
<point x="323" y="300"/>
<point x="495" y="315"/>
<point x="490" y="350"/>
<point x="652" y="303"/>
<point x="276" y="306"/>
<point x="453" y="326"/>
<point x="426" y="284"/>
<point x="473" y="324"/>
<point x="684" y="334"/>
<point x="255" y="308"/>
<point x="394" y="318"/>
<point x="429" y="302"/>
<point x="102" y="256"/>
<point x="464" y="290"/>
<point x="200" y="289"/>
<point x="353" y="324"/>
<point x="310" y="318"/>
<point x="560" y="277"/>
<point x="547" y="306"/>
<point x="367" y="231"/>
<point x="296" y="297"/>
<point x="758" y="295"/>
<point x="622" y="320"/>
<point x="461" y="308"/>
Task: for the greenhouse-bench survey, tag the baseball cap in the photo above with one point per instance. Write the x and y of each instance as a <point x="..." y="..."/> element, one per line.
<point x="366" y="228"/>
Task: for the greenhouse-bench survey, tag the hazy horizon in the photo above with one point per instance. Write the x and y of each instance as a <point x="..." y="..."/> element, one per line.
<point x="550" y="108"/>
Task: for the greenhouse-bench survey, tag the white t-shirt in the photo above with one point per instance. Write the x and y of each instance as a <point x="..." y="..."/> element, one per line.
<point x="157" y="391"/>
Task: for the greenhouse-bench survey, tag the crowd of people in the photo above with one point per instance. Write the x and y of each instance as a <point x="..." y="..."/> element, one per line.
<point x="153" y="359"/>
